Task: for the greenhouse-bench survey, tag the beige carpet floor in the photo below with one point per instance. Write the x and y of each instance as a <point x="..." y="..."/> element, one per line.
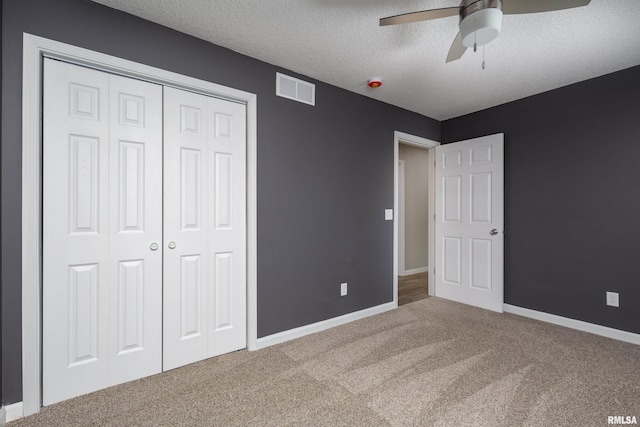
<point x="428" y="363"/>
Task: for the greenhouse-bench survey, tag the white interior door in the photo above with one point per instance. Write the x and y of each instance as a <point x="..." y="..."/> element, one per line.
<point x="470" y="222"/>
<point x="102" y="151"/>
<point x="204" y="227"/>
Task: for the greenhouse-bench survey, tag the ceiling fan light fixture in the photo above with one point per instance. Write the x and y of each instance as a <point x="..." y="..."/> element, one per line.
<point x="481" y="27"/>
<point x="481" y="20"/>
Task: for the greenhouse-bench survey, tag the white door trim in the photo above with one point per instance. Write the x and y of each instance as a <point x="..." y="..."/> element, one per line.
<point x="416" y="141"/>
<point x="401" y="217"/>
<point x="34" y="50"/>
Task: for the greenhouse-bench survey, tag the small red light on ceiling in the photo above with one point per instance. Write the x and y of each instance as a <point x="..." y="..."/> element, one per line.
<point x="375" y="83"/>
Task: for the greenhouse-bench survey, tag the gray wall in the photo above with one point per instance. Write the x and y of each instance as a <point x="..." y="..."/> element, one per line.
<point x="416" y="206"/>
<point x="325" y="174"/>
<point x="572" y="209"/>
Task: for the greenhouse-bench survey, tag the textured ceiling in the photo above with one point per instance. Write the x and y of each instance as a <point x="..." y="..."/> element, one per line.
<point x="340" y="42"/>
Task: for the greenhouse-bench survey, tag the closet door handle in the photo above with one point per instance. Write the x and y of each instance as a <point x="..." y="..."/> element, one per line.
<point x="153" y="247"/>
<point x="172" y="245"/>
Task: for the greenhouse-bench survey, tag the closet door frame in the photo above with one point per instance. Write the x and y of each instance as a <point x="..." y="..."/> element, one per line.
<point x="35" y="49"/>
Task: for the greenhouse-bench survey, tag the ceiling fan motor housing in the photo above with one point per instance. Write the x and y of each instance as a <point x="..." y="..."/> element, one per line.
<point x="480" y="21"/>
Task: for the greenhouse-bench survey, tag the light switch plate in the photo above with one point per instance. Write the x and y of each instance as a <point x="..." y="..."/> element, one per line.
<point x="388" y="214"/>
<point x="613" y="299"/>
<point x="343" y="289"/>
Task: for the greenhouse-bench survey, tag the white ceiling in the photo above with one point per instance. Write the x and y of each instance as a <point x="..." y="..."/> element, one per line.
<point x="340" y="42"/>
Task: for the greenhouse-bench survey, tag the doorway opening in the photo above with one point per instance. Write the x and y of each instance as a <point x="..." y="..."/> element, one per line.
<point x="414" y="193"/>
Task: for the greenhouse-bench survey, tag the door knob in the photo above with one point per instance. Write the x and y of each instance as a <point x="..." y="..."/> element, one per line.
<point x="153" y="247"/>
<point x="172" y="245"/>
<point x="494" y="232"/>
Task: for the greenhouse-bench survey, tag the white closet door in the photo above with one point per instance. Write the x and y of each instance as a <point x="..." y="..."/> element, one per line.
<point x="204" y="227"/>
<point x="135" y="222"/>
<point x="75" y="231"/>
<point x="103" y="245"/>
<point x="101" y="282"/>
<point x="186" y="221"/>
<point x="227" y="233"/>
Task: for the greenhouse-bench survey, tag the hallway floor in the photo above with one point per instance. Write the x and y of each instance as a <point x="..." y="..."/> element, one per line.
<point x="412" y="288"/>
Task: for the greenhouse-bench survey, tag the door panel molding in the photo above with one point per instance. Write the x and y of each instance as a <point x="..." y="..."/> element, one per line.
<point x="35" y="49"/>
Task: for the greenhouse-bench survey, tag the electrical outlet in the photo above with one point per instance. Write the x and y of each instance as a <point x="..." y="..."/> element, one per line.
<point x="343" y="289"/>
<point x="613" y="299"/>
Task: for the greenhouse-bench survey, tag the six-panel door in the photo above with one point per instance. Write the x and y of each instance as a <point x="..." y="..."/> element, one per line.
<point x="102" y="285"/>
<point x="205" y="230"/>
<point x="469" y="222"/>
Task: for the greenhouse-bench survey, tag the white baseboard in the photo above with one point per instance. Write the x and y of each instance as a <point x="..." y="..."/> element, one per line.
<point x="13" y="412"/>
<point x="291" y="334"/>
<point x="414" y="271"/>
<point x="592" y="328"/>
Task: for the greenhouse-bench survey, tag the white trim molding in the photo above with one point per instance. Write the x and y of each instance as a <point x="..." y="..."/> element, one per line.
<point x="414" y="271"/>
<point x="416" y="141"/>
<point x="34" y="50"/>
<point x="579" y="325"/>
<point x="12" y="412"/>
<point x="292" y="334"/>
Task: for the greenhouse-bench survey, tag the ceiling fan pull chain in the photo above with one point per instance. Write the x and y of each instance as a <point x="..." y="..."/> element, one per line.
<point x="475" y="35"/>
<point x="483" y="56"/>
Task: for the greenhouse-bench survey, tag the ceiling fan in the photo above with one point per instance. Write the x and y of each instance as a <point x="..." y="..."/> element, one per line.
<point x="481" y="20"/>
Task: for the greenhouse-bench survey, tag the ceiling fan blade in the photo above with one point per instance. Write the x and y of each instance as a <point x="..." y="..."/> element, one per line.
<point x="425" y="15"/>
<point x="513" y="7"/>
<point x="457" y="49"/>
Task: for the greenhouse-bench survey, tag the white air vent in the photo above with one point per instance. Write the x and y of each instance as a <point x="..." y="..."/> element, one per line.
<point x="298" y="90"/>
